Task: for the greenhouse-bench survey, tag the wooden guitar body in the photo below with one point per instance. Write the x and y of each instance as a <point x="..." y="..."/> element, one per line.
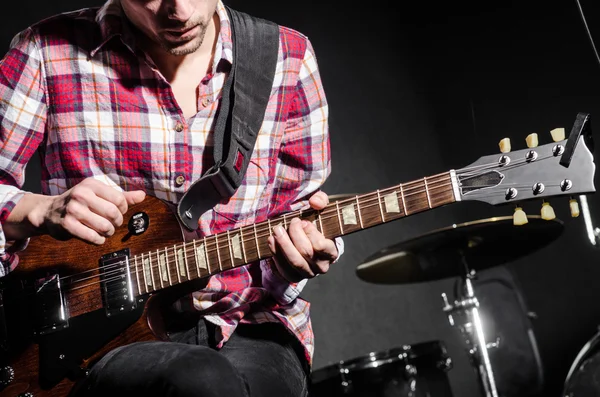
<point x="49" y="364"/>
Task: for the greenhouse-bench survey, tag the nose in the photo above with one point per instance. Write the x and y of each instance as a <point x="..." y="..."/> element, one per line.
<point x="180" y="10"/>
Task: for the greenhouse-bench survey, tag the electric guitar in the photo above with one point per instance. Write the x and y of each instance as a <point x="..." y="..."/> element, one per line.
<point x="69" y="303"/>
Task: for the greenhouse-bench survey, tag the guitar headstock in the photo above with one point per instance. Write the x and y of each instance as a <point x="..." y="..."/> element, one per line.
<point x="564" y="167"/>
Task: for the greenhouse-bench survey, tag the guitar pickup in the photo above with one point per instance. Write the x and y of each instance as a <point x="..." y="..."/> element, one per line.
<point x="117" y="287"/>
<point x="50" y="310"/>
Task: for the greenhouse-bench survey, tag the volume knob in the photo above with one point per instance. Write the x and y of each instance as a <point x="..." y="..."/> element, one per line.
<point x="7" y="375"/>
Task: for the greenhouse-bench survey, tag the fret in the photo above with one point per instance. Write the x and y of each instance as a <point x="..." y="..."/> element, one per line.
<point x="185" y="260"/>
<point x="177" y="271"/>
<point x="166" y="254"/>
<point x="427" y="192"/>
<point x="337" y="208"/>
<point x="180" y="258"/>
<point x="210" y="272"/>
<point x="243" y="244"/>
<point x="256" y="241"/>
<point x="237" y="248"/>
<point x="359" y="212"/>
<point x="285" y="225"/>
<point x="155" y="271"/>
<point x="403" y="200"/>
<point x="350" y="221"/>
<point x="218" y="253"/>
<point x="137" y="275"/>
<point x="380" y="207"/>
<point x="161" y="270"/>
<point x="148" y="269"/>
<point x="229" y="245"/>
<point x="270" y="227"/>
<point x="196" y="258"/>
<point x="321" y="222"/>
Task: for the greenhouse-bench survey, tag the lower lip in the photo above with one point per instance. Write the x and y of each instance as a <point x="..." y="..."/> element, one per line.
<point x="183" y="35"/>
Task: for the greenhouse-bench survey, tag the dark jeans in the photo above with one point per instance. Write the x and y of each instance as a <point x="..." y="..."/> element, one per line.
<point x="258" y="360"/>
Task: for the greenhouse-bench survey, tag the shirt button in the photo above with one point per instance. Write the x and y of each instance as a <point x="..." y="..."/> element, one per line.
<point x="180" y="180"/>
<point x="205" y="102"/>
<point x="178" y="127"/>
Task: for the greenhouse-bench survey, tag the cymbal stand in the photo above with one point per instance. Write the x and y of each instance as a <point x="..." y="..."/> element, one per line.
<point x="467" y="305"/>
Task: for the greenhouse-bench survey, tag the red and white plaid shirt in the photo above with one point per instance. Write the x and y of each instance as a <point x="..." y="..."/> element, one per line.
<point x="78" y="86"/>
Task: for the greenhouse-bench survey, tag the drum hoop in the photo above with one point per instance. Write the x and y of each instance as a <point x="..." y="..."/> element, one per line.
<point x="589" y="347"/>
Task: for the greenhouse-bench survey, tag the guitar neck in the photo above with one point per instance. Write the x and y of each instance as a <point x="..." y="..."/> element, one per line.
<point x="213" y="254"/>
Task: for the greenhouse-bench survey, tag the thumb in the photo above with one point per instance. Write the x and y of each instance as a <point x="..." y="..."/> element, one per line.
<point x="135" y="196"/>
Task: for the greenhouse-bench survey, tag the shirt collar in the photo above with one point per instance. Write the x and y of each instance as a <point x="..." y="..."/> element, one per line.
<point x="113" y="23"/>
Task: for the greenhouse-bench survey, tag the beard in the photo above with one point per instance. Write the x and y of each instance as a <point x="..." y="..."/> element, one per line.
<point x="183" y="45"/>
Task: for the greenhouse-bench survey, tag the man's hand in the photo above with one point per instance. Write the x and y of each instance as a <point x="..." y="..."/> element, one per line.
<point x="303" y="252"/>
<point x="90" y="211"/>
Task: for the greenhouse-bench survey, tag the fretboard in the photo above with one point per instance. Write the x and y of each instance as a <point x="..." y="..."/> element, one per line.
<point x="200" y="258"/>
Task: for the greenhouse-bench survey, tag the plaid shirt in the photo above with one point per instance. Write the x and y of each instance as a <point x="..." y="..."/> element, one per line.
<point x="78" y="86"/>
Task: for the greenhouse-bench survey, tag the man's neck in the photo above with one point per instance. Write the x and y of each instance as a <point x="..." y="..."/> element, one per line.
<point x="173" y="65"/>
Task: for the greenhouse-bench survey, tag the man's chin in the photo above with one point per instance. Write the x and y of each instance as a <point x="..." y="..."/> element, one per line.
<point x="183" y="48"/>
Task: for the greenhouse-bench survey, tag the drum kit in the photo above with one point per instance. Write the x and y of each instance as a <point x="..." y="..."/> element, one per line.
<point x="461" y="251"/>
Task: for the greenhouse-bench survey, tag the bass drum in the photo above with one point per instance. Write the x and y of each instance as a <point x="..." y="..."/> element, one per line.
<point x="583" y="379"/>
<point x="417" y="370"/>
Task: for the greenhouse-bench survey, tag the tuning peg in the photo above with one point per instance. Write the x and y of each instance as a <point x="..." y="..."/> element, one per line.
<point x="532" y="140"/>
<point x="558" y="134"/>
<point x="519" y="217"/>
<point x="547" y="212"/>
<point x="574" y="205"/>
<point x="504" y="145"/>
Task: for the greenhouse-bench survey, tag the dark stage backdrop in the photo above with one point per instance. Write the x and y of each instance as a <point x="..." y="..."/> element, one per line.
<point x="415" y="90"/>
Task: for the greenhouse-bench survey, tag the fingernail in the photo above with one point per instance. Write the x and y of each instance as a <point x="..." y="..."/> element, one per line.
<point x="305" y="224"/>
<point x="278" y="231"/>
<point x="294" y="220"/>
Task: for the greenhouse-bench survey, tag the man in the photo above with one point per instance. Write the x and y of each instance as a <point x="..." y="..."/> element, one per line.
<point x="126" y="96"/>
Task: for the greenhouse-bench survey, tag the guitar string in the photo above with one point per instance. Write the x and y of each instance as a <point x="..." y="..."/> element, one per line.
<point x="330" y="213"/>
<point x="434" y="180"/>
<point x="333" y="211"/>
<point x="405" y="187"/>
<point x="431" y="185"/>
<point x="212" y="248"/>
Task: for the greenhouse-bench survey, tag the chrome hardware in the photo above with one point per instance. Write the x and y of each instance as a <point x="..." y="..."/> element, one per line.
<point x="531" y="156"/>
<point x="504" y="160"/>
<point x="565" y="185"/>
<point x="50" y="308"/>
<point x="538" y="188"/>
<point x="25" y="395"/>
<point x="558" y="150"/>
<point x="116" y="283"/>
<point x="511" y="193"/>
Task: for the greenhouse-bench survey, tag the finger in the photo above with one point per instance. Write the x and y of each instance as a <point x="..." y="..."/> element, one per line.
<point x="300" y="240"/>
<point x="287" y="272"/>
<point x="81" y="231"/>
<point x="134" y="197"/>
<point x="319" y="200"/>
<point x="290" y="254"/>
<point x="92" y="220"/>
<point x="106" y="209"/>
<point x="108" y="193"/>
<point x="325" y="250"/>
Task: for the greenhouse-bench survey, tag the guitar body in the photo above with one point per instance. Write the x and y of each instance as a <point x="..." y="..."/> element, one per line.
<point x="49" y="363"/>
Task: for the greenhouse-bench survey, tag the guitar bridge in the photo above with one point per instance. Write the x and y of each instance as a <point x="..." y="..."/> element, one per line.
<point x="51" y="312"/>
<point x="117" y="288"/>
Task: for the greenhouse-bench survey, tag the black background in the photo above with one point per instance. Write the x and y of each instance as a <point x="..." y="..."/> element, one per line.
<point x="417" y="88"/>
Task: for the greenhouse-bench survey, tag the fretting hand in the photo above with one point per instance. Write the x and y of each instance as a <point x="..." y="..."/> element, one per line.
<point x="303" y="252"/>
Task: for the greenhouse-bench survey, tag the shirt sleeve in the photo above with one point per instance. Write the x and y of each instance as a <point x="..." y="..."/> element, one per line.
<point x="22" y="124"/>
<point x="303" y="163"/>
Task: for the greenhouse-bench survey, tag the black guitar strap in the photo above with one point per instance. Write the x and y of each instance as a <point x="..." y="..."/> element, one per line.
<point x="243" y="104"/>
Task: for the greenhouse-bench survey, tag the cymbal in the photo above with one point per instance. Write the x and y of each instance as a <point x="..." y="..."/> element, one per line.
<point x="443" y="253"/>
